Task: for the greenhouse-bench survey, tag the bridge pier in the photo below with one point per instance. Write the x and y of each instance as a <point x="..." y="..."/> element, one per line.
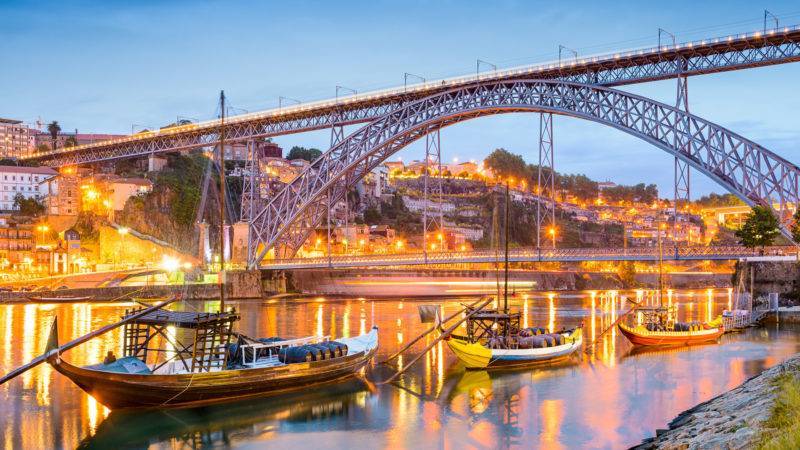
<point x="545" y="178"/>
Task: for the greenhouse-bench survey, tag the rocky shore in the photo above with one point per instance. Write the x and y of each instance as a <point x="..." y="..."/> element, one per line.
<point x="732" y="420"/>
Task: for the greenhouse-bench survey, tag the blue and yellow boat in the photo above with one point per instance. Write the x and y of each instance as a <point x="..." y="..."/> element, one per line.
<point x="550" y="348"/>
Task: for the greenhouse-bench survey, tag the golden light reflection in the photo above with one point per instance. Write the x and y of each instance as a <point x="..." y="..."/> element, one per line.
<point x="346" y="321"/>
<point x="669" y="297"/>
<point x="320" y="332"/>
<point x="552" y="414"/>
<point x="551" y="323"/>
<point x="594" y="314"/>
<point x="730" y="299"/>
<point x="709" y="304"/>
<point x="525" y="313"/>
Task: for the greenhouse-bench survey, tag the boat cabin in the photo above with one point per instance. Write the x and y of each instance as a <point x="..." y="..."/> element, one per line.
<point x="179" y="341"/>
<point x="487" y="324"/>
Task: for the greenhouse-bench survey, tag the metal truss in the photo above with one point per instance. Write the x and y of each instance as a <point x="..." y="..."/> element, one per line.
<point x="682" y="186"/>
<point x="546" y="179"/>
<point x="745" y="168"/>
<point x="775" y="46"/>
<point x="527" y="255"/>
<point x="432" y="216"/>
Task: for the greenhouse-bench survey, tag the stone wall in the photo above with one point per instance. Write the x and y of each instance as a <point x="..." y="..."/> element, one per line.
<point x="782" y="277"/>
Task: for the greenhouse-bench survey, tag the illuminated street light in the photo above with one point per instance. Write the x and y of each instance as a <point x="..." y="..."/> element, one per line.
<point x="552" y="232"/>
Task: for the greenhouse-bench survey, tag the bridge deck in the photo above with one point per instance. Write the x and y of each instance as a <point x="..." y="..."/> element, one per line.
<point x="527" y="255"/>
<point x="775" y="46"/>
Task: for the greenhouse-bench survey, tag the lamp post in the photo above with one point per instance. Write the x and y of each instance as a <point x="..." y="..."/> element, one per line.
<point x="43" y="228"/>
<point x="552" y="232"/>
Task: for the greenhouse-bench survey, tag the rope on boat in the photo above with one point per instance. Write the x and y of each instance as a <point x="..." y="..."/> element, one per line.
<point x="636" y="305"/>
<point x="445" y="333"/>
<point x="429" y="330"/>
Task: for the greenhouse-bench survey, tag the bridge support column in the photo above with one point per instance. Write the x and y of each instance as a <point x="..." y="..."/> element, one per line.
<point x="682" y="184"/>
<point x="546" y="178"/>
<point x="431" y="218"/>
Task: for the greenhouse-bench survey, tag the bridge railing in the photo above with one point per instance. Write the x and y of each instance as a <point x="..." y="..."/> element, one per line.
<point x="531" y="255"/>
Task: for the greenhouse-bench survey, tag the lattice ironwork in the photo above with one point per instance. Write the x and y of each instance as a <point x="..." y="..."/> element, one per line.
<point x="546" y="178"/>
<point x="682" y="186"/>
<point x="432" y="215"/>
<point x="775" y="46"/>
<point x="754" y="173"/>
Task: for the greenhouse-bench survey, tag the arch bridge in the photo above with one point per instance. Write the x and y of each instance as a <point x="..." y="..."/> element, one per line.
<point x="755" y="174"/>
<point x="577" y="87"/>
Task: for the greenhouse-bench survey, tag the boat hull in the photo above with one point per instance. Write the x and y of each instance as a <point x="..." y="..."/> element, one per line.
<point x="663" y="338"/>
<point x="124" y="390"/>
<point x="476" y="356"/>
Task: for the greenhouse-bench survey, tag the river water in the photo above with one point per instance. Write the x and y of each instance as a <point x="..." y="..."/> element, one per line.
<point x="608" y="397"/>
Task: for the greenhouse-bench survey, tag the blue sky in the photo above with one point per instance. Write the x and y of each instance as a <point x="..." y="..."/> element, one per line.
<point x="105" y="66"/>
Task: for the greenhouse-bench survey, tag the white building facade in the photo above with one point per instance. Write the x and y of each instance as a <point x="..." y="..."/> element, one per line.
<point x="31" y="182"/>
<point x="15" y="138"/>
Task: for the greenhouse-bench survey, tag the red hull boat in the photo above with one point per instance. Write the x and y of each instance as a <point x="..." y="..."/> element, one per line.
<point x="642" y="336"/>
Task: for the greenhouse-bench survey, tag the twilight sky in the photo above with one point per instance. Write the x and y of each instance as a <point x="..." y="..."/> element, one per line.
<point x="108" y="66"/>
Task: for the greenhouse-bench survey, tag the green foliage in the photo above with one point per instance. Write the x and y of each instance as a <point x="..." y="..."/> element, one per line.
<point x="53" y="128"/>
<point x="42" y="148"/>
<point x="796" y="226"/>
<point x="86" y="227"/>
<point x="8" y="162"/>
<point x="639" y="193"/>
<point x="309" y="154"/>
<point x="760" y="228"/>
<point x="580" y="186"/>
<point x="183" y="180"/>
<point x="506" y="164"/>
<point x="782" y="427"/>
<point x="28" y="206"/>
<point x="372" y="215"/>
<point x="396" y="215"/>
<point x="713" y="200"/>
<point x="70" y="141"/>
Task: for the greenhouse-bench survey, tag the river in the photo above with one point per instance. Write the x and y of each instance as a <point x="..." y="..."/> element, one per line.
<point x="609" y="397"/>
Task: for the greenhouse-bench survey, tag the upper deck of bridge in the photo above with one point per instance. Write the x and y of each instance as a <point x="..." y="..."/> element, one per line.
<point x="607" y="69"/>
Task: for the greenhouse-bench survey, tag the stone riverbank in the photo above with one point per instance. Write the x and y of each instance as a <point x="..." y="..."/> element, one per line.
<point x="732" y="420"/>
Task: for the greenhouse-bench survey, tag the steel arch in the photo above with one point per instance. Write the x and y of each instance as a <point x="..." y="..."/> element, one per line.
<point x="746" y="169"/>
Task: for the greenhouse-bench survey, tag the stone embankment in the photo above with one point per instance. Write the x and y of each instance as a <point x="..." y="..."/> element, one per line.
<point x="732" y="420"/>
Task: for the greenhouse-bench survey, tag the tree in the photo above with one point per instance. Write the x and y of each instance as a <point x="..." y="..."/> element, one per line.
<point x="53" y="128"/>
<point x="309" y="154"/>
<point x="28" y="206"/>
<point x="70" y="141"/>
<point x="372" y="215"/>
<point x="760" y="228"/>
<point x="506" y="164"/>
<point x="42" y="148"/>
<point x="796" y="227"/>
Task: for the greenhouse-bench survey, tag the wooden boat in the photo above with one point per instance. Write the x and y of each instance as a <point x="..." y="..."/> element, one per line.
<point x="60" y="299"/>
<point x="208" y="369"/>
<point x="476" y="355"/>
<point x="640" y="335"/>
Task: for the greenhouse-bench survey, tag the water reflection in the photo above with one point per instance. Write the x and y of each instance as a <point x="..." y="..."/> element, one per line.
<point x="610" y="396"/>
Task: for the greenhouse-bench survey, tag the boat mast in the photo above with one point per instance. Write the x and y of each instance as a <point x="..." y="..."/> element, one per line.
<point x="660" y="265"/>
<point x="222" y="201"/>
<point x="505" y="287"/>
